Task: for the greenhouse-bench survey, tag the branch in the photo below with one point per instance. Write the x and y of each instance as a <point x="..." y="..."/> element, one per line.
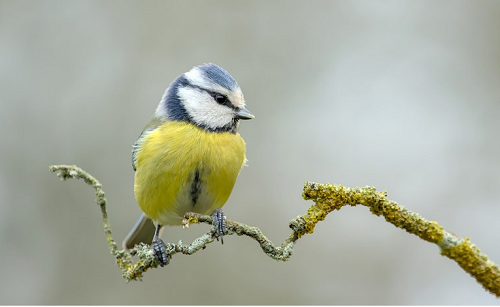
<point x="327" y="198"/>
<point x="134" y="270"/>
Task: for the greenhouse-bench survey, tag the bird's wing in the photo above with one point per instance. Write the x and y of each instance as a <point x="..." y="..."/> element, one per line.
<point x="153" y="124"/>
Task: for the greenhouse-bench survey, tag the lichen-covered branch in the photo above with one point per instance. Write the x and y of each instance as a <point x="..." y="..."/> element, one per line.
<point x="134" y="270"/>
<point x="327" y="198"/>
<point x="73" y="171"/>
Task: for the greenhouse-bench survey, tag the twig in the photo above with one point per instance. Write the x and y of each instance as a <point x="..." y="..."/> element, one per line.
<point x="327" y="198"/>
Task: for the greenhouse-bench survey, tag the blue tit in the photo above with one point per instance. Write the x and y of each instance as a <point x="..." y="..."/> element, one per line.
<point x="188" y="157"/>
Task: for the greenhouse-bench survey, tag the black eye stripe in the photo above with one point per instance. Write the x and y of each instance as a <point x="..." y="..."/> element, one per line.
<point x="219" y="98"/>
<point x="222" y="100"/>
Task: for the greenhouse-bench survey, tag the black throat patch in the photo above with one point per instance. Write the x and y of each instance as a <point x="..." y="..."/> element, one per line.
<point x="196" y="186"/>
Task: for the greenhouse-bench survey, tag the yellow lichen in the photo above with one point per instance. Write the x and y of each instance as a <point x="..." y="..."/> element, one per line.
<point x="470" y="258"/>
<point x="190" y="220"/>
<point x="329" y="197"/>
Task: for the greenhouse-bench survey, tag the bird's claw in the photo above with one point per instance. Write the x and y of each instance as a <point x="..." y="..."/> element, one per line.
<point x="219" y="222"/>
<point x="160" y="252"/>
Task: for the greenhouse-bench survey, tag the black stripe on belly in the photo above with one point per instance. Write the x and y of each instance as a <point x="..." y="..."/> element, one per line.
<point x="195" y="190"/>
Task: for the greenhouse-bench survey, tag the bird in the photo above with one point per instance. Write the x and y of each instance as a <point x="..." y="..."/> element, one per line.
<point x="187" y="158"/>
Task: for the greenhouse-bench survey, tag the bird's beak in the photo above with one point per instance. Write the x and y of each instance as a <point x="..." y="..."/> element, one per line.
<point x="243" y="114"/>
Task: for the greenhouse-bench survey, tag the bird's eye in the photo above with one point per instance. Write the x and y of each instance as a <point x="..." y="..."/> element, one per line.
<point x="220" y="98"/>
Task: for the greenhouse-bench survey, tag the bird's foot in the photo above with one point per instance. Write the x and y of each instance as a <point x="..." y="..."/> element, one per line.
<point x="219" y="222"/>
<point x="159" y="251"/>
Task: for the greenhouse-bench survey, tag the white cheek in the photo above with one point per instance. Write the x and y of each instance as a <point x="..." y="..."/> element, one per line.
<point x="203" y="109"/>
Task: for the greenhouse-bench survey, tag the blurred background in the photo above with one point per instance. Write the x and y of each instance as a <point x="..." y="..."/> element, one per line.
<point x="400" y="95"/>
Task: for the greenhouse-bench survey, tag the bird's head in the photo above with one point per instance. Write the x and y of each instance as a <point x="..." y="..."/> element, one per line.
<point x="206" y="96"/>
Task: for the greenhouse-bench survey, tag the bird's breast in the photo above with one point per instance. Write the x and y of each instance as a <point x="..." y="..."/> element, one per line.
<point x="181" y="168"/>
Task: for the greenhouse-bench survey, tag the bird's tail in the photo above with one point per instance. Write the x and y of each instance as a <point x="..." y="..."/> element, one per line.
<point x="143" y="231"/>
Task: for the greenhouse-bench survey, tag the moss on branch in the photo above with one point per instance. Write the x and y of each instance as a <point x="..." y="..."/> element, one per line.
<point x="326" y="198"/>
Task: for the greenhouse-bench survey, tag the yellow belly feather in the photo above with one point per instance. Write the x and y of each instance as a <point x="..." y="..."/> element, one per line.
<point x="167" y="162"/>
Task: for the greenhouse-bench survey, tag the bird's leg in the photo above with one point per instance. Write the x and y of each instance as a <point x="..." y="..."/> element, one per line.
<point x="159" y="248"/>
<point x="219" y="222"/>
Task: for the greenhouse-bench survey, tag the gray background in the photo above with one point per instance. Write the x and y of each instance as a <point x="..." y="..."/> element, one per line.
<point x="401" y="95"/>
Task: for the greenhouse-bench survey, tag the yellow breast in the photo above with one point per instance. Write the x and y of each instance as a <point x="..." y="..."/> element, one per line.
<point x="182" y="168"/>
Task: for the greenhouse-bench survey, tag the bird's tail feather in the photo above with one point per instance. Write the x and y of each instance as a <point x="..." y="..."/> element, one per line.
<point x="143" y="231"/>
